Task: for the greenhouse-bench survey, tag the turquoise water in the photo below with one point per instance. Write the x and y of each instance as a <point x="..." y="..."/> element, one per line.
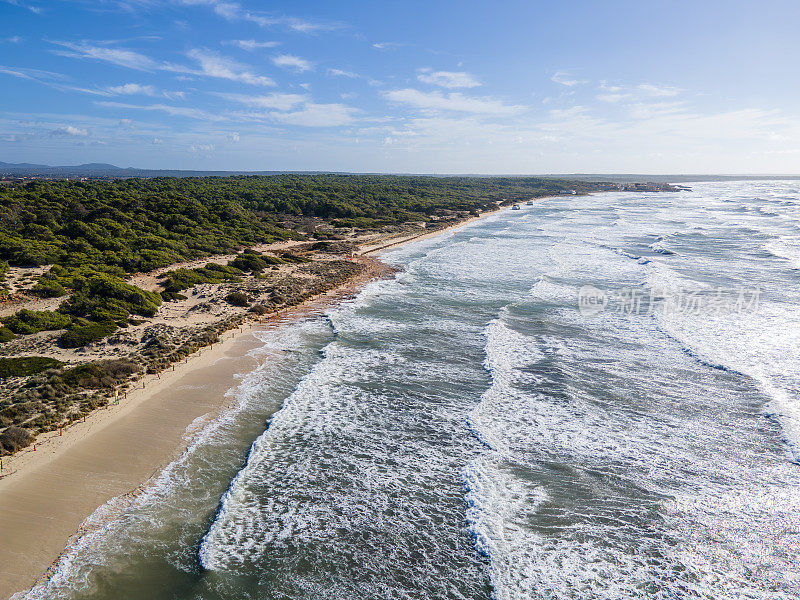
<point x="465" y="431"/>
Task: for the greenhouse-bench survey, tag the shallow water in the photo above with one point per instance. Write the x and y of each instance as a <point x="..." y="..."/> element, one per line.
<point x="464" y="431"/>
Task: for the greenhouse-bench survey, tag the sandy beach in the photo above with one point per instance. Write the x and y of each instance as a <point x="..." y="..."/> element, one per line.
<point x="47" y="492"/>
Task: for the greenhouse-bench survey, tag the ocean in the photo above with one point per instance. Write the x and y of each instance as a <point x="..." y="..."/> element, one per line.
<point x="592" y="397"/>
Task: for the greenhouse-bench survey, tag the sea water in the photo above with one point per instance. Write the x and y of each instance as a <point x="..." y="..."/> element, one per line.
<point x="472" y="429"/>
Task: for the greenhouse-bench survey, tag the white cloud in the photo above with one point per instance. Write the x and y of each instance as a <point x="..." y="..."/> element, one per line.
<point x="448" y="79"/>
<point x="174" y="95"/>
<point x="293" y="63"/>
<point x="69" y="131"/>
<point x="342" y="73"/>
<point x="233" y="11"/>
<point x="273" y="101"/>
<point x="317" y="115"/>
<point x="656" y="109"/>
<point x="132" y="89"/>
<point x="202" y="148"/>
<point x="214" y="65"/>
<point x="116" y="56"/>
<point x="612" y="98"/>
<point x="386" y="45"/>
<point x="658" y="90"/>
<point x="33" y="9"/>
<point x="566" y="79"/>
<point x="233" y="136"/>
<point x="157" y="141"/>
<point x="634" y="94"/>
<point x="252" y="44"/>
<point x="453" y="101"/>
<point x="20" y="73"/>
<point x="210" y="63"/>
<point x="176" y="111"/>
<point x="14" y="40"/>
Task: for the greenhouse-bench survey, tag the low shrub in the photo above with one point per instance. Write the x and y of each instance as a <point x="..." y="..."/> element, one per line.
<point x="170" y="296"/>
<point x="48" y="289"/>
<point x="248" y="261"/>
<point x="26" y="321"/>
<point x="289" y="257"/>
<point x="101" y="374"/>
<point x="183" y="279"/>
<point x="22" y="366"/>
<point x="86" y="334"/>
<point x="259" y="309"/>
<point x="237" y="299"/>
<point x="6" y="335"/>
<point x="15" y="438"/>
<point x="103" y="297"/>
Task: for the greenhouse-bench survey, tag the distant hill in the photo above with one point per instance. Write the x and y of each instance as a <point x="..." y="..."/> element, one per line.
<point x="104" y="170"/>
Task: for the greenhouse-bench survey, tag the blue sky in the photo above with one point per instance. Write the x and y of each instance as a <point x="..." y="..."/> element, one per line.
<point x="416" y="86"/>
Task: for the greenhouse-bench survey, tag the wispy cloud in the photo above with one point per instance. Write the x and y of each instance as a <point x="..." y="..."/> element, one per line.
<point x="386" y="45"/>
<point x="233" y="11"/>
<point x="214" y="65"/>
<point x="292" y="63"/>
<point x="176" y="111"/>
<point x="342" y="73"/>
<point x="33" y="9"/>
<point x="448" y="79"/>
<point x="317" y="115"/>
<point x="117" y="56"/>
<point x="251" y="45"/>
<point x="273" y="101"/>
<point x="631" y="94"/>
<point x="132" y="89"/>
<point x="210" y="63"/>
<point x="566" y="79"/>
<point x="32" y="74"/>
<point x="658" y="90"/>
<point x="454" y="101"/>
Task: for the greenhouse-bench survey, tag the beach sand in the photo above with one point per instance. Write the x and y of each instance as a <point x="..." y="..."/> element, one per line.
<point x="112" y="453"/>
<point x="46" y="493"/>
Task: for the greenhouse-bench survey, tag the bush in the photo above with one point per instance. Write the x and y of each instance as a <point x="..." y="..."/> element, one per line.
<point x="288" y="257"/>
<point x="104" y="297"/>
<point x="15" y="438"/>
<point x="183" y="279"/>
<point x="237" y="299"/>
<point x="170" y="296"/>
<point x="6" y="335"/>
<point x="259" y="309"/>
<point x="22" y="366"/>
<point x="101" y="374"/>
<point x="248" y="261"/>
<point x="26" y="321"/>
<point x="86" y="334"/>
<point x="48" y="289"/>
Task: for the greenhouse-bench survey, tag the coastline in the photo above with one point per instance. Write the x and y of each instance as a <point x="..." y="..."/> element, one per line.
<point x="48" y="492"/>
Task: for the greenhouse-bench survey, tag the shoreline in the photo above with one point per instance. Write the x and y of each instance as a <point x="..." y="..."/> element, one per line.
<point x="49" y="490"/>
